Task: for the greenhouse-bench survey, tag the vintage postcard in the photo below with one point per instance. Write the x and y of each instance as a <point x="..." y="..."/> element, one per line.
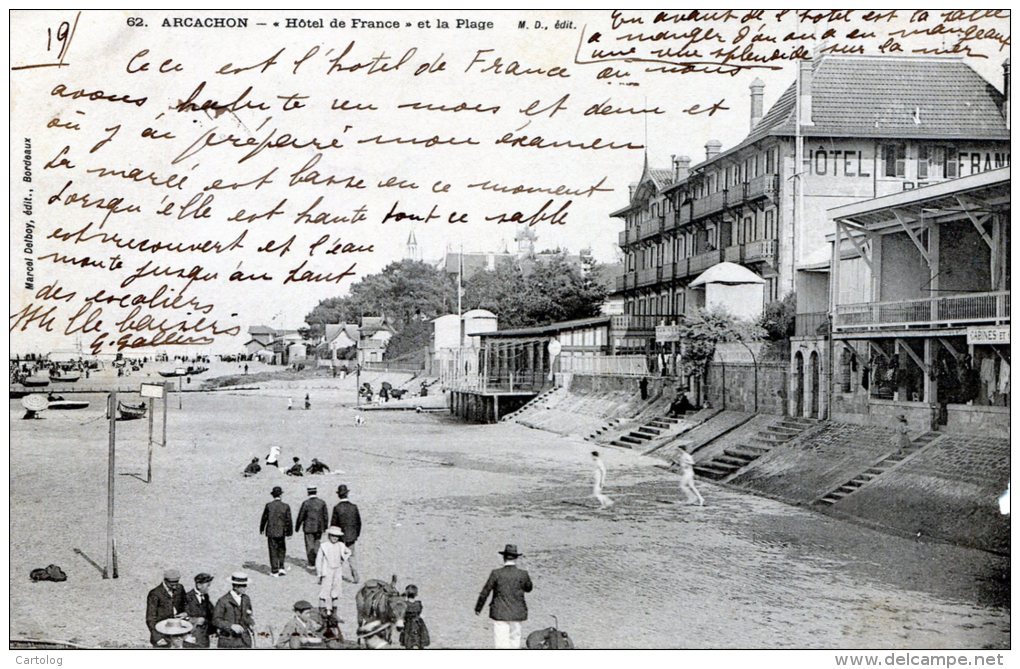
<point x="539" y="329"/>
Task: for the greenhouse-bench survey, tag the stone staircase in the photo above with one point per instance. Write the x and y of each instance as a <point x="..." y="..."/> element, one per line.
<point x="876" y="470"/>
<point x="532" y="404"/>
<point x="653" y="429"/>
<point x="736" y="458"/>
<point x="609" y="426"/>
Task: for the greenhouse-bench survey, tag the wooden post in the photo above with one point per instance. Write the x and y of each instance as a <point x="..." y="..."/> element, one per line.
<point x="109" y="568"/>
<point x="180" y="383"/>
<point x="152" y="407"/>
<point x="166" y="402"/>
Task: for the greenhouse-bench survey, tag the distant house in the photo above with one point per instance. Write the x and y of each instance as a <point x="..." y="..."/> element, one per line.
<point x="260" y="338"/>
<point x="375" y="333"/>
<point x="340" y="337"/>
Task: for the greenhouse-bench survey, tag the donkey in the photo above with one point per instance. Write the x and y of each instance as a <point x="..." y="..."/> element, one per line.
<point x="381" y="601"/>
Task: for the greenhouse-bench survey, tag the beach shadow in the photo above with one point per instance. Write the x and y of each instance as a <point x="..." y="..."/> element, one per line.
<point x="89" y="560"/>
<point x="303" y="564"/>
<point x="135" y="475"/>
<point x="257" y="567"/>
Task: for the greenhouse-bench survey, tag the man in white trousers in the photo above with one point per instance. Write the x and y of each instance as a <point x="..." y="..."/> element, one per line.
<point x="508" y="609"/>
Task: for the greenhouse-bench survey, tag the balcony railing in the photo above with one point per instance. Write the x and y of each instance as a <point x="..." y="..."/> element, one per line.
<point x="709" y="204"/>
<point x="951" y="310"/>
<point x="623" y="238"/>
<point x="681" y="268"/>
<point x="811" y="324"/>
<point x="763" y="250"/>
<point x="703" y="261"/>
<point x="766" y="185"/>
<point x="733" y="253"/>
<point x="606" y="365"/>
<point x="640" y="323"/>
<point x="647" y="277"/>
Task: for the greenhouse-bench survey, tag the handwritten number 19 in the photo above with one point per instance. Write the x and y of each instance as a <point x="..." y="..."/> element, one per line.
<point x="63" y="32"/>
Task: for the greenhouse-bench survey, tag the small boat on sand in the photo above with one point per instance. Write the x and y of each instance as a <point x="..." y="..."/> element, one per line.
<point x="35" y="381"/>
<point x="130" y="411"/>
<point x="64" y="377"/>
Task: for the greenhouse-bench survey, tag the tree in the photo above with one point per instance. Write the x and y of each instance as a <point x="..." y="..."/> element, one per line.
<point x="703" y="331"/>
<point x="554" y="289"/>
<point x="403" y="291"/>
<point x="779" y="318"/>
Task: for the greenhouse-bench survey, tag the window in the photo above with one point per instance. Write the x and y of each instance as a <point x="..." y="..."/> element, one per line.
<point x="936" y="162"/>
<point x="747" y="230"/>
<point x="895" y="158"/>
<point x="770" y="161"/>
<point x="770" y="224"/>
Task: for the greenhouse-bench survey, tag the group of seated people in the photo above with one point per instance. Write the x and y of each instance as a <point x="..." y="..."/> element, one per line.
<point x="296" y="469"/>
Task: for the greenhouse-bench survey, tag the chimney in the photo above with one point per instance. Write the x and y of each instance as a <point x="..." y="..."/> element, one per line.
<point x="632" y="187"/>
<point x="807" y="75"/>
<point x="681" y="168"/>
<point x="1005" y="92"/>
<point x="712" y="148"/>
<point x="757" y="101"/>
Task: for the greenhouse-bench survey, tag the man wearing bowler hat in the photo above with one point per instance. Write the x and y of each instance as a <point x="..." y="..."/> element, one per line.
<point x="166" y="600"/>
<point x="277" y="526"/>
<point x="347" y="517"/>
<point x="312" y="519"/>
<point x="508" y="608"/>
<point x="232" y="616"/>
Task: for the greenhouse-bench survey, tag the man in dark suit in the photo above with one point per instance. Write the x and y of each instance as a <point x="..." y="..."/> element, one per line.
<point x="347" y="517"/>
<point x="312" y="519"/>
<point x="508" y="608"/>
<point x="200" y="612"/>
<point x="232" y="616"/>
<point x="166" y="600"/>
<point x="277" y="526"/>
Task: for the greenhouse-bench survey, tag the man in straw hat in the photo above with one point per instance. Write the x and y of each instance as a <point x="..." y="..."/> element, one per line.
<point x="312" y="519"/>
<point x="508" y="609"/>
<point x="166" y="600"/>
<point x="276" y="524"/>
<point x="232" y="616"/>
<point x="329" y="567"/>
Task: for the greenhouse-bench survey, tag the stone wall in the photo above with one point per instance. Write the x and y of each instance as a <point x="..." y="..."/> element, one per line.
<point x="731" y="386"/>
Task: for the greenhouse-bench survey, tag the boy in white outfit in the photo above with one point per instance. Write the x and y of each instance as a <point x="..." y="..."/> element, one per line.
<point x="329" y="566"/>
<point x="600" y="480"/>
<point x="686" y="463"/>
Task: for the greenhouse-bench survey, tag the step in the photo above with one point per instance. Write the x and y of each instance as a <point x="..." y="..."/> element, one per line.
<point x="747" y="452"/>
<point x="861" y="480"/>
<point x="708" y="471"/>
<point x="772" y="438"/>
<point x="621" y="444"/>
<point x="644" y="429"/>
<point x="668" y="419"/>
<point x="631" y="440"/>
<point x="847" y="488"/>
<point x="779" y="429"/>
<point x="730" y="460"/>
<point x="662" y="426"/>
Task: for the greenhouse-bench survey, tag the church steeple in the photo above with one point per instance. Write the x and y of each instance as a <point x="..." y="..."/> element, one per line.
<point x="412" y="252"/>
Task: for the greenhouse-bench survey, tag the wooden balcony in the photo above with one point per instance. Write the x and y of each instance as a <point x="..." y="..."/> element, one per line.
<point x="644" y="323"/>
<point x="766" y="185"/>
<point x="623" y="238"/>
<point x="814" y="324"/>
<point x="709" y="204"/>
<point x="681" y="268"/>
<point x="734" y="253"/>
<point x="646" y="277"/>
<point x="703" y="261"/>
<point x="924" y="313"/>
<point x="763" y="250"/>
